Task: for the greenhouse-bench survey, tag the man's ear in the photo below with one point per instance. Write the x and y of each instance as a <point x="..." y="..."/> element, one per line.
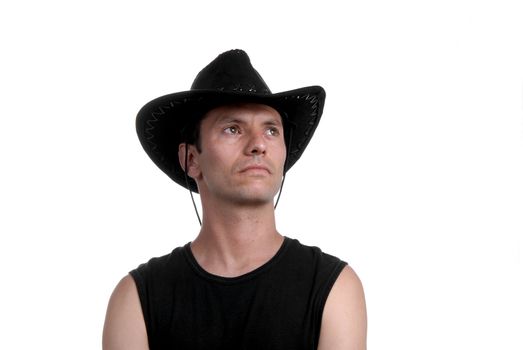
<point x="192" y="159"/>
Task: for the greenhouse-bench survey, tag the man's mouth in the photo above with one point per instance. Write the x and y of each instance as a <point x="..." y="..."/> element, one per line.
<point x="255" y="168"/>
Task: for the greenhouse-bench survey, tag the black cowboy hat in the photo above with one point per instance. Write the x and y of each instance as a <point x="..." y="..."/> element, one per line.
<point x="165" y="122"/>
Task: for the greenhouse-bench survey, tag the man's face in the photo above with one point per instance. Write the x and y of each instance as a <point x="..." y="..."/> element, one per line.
<point x="242" y="154"/>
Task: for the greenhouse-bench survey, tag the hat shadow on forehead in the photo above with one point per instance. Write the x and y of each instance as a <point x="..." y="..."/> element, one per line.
<point x="165" y="122"/>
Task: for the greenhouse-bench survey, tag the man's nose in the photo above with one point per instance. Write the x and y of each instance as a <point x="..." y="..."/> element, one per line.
<point x="257" y="145"/>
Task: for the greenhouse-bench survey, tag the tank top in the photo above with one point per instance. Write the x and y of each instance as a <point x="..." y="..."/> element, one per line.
<point x="277" y="306"/>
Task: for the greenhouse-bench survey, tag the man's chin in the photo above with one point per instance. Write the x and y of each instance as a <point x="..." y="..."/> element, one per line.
<point x="254" y="198"/>
<point x="248" y="194"/>
<point x="254" y="201"/>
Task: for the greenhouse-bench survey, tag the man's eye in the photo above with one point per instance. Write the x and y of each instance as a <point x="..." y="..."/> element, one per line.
<point x="273" y="131"/>
<point x="231" y="130"/>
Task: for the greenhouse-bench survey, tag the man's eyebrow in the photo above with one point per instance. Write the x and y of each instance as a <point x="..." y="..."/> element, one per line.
<point x="235" y="120"/>
<point x="229" y="119"/>
<point x="275" y="122"/>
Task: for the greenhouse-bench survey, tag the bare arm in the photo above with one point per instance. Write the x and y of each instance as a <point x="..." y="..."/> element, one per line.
<point x="124" y="327"/>
<point x="344" y="320"/>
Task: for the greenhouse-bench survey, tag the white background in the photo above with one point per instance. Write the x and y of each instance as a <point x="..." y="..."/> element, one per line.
<point x="414" y="175"/>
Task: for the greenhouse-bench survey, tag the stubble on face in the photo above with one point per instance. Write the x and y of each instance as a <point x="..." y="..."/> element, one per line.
<point x="243" y="154"/>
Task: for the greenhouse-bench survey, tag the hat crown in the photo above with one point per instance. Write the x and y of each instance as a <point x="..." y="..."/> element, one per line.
<point x="231" y="71"/>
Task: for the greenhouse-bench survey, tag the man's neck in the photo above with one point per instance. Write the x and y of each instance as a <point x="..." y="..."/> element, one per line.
<point x="235" y="240"/>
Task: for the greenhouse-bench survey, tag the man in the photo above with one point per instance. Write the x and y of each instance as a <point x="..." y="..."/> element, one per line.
<point x="240" y="284"/>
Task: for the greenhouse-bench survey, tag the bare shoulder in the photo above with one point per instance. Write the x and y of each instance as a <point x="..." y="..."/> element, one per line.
<point x="344" y="320"/>
<point x="124" y="326"/>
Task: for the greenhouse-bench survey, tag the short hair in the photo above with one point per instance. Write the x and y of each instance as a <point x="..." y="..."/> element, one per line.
<point x="191" y="134"/>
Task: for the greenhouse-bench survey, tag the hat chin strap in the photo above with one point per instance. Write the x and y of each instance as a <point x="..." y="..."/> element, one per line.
<point x="279" y="192"/>
<point x="284" y="167"/>
<point x="187" y="183"/>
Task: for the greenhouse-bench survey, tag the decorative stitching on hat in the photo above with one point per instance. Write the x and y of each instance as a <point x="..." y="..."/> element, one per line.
<point x="159" y="113"/>
<point x="156" y="115"/>
<point x="313" y="118"/>
<point x="243" y="88"/>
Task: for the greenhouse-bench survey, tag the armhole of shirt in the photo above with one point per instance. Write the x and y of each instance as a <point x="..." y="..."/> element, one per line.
<point x="142" y="295"/>
<point x="324" y="294"/>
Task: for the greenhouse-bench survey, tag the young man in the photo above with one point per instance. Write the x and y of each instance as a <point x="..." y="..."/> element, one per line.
<point x="240" y="284"/>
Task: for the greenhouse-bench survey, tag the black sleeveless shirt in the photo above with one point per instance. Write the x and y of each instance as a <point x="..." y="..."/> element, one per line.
<point x="276" y="306"/>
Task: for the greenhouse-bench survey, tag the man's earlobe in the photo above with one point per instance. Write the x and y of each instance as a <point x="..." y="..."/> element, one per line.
<point x="192" y="162"/>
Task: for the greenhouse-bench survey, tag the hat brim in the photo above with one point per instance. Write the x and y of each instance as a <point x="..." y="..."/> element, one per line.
<point x="159" y="122"/>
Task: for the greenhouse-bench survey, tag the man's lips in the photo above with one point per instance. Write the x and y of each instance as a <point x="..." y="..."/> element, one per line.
<point x="255" y="168"/>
